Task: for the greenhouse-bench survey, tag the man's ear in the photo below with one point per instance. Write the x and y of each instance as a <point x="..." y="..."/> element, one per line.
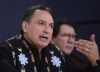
<point x="24" y="26"/>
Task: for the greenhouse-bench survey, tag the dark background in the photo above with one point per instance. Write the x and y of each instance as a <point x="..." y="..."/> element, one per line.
<point x="85" y="13"/>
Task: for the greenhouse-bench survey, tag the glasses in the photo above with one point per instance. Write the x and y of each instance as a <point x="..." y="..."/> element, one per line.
<point x="69" y="35"/>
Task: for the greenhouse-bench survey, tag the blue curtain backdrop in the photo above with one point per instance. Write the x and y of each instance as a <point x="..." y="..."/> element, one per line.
<point x="85" y="13"/>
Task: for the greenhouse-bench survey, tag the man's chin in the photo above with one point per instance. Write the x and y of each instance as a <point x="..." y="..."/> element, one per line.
<point x="68" y="52"/>
<point x="44" y="44"/>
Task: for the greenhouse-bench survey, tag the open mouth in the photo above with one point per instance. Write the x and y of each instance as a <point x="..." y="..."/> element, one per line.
<point x="43" y="38"/>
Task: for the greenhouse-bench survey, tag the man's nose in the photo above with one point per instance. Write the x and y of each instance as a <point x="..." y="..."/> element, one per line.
<point x="71" y="40"/>
<point x="47" y="29"/>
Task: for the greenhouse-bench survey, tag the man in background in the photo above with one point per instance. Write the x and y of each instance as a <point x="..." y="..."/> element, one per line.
<point x="64" y="39"/>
